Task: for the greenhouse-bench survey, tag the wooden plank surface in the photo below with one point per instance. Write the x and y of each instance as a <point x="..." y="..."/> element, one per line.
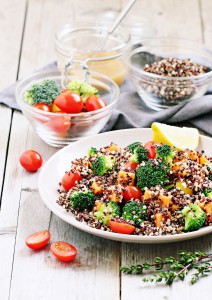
<point x="5" y="119"/>
<point x="95" y="272"/>
<point x="97" y="259"/>
<point x="12" y="19"/>
<point x="170" y="18"/>
<point x="11" y="29"/>
<point x="205" y="14"/>
<point x="12" y="16"/>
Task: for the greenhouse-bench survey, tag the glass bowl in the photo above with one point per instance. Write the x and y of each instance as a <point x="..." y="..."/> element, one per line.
<point x="60" y="129"/>
<point x="81" y="42"/>
<point x="157" y="91"/>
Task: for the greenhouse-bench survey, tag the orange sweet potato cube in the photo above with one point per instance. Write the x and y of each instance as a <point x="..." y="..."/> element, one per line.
<point x="126" y="178"/>
<point x="97" y="188"/>
<point x="164" y="200"/>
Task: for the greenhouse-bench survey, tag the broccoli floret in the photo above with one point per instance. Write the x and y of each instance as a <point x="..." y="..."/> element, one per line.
<point x="92" y="151"/>
<point x="166" y="153"/>
<point x="82" y="200"/>
<point x="133" y="146"/>
<point x="194" y="217"/>
<point x="103" y="164"/>
<point x="42" y="92"/>
<point x="107" y="211"/>
<point x="140" y="154"/>
<point x="134" y="211"/>
<point x="208" y="193"/>
<point x="152" y="173"/>
<point x="82" y="88"/>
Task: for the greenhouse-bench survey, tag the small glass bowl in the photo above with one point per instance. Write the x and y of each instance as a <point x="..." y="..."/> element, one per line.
<point x="157" y="91"/>
<point x="85" y="42"/>
<point x="60" y="129"/>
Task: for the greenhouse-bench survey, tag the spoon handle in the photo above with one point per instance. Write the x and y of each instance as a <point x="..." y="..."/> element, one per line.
<point x="121" y="16"/>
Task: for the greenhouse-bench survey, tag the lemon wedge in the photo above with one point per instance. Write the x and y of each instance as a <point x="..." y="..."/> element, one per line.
<point x="181" y="138"/>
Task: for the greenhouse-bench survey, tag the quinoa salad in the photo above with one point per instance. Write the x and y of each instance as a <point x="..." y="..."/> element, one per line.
<point x="143" y="189"/>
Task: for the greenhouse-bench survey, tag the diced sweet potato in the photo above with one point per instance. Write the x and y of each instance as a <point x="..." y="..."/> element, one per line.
<point x="97" y="189"/>
<point x="114" y="193"/>
<point x="201" y="204"/>
<point x="115" y="197"/>
<point x="193" y="155"/>
<point x="179" y="159"/>
<point x="158" y="220"/>
<point x="208" y="210"/>
<point x="114" y="147"/>
<point x="98" y="204"/>
<point x="147" y="194"/>
<point x="179" y="167"/>
<point x="126" y="178"/>
<point x="164" y="201"/>
<point x="174" y="207"/>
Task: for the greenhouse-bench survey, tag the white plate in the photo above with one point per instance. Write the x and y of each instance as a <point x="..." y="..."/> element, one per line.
<point x="54" y="169"/>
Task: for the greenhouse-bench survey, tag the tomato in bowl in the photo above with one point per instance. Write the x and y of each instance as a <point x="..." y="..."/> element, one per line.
<point x="61" y="126"/>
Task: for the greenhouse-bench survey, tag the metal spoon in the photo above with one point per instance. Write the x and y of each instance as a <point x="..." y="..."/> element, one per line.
<point x="102" y="42"/>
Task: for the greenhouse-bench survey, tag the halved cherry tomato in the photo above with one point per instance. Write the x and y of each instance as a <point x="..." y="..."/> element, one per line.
<point x="131" y="165"/>
<point x="121" y="227"/>
<point x="94" y="102"/>
<point x="31" y="160"/>
<point x="151" y="147"/>
<point x="63" y="251"/>
<point x="69" y="179"/>
<point x="59" y="124"/>
<point x="131" y="192"/>
<point x="38" y="239"/>
<point x="69" y="102"/>
<point x="43" y="106"/>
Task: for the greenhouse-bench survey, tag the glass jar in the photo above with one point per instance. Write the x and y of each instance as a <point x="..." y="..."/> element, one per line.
<point x="86" y="43"/>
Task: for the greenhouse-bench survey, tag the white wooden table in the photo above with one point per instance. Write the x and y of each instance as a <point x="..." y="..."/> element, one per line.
<point x="26" y="31"/>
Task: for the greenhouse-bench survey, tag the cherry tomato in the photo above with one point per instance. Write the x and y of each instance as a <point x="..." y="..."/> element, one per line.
<point x="69" y="102"/>
<point x="131" y="165"/>
<point x="64" y="90"/>
<point x="43" y="106"/>
<point x="38" y="239"/>
<point x="132" y="192"/>
<point x="31" y="160"/>
<point x="94" y="102"/>
<point x="63" y="251"/>
<point x="69" y="179"/>
<point x="59" y="124"/>
<point x="121" y="227"/>
<point x="151" y="147"/>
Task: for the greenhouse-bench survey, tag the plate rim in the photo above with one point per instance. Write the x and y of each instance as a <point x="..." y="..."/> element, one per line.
<point x="112" y="235"/>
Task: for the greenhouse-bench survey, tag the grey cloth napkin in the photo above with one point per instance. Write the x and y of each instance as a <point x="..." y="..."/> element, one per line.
<point x="131" y="111"/>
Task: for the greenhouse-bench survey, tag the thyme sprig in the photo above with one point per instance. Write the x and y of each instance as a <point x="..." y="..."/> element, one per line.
<point x="176" y="268"/>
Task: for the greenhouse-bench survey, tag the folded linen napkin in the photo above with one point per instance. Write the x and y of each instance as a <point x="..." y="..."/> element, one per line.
<point x="131" y="111"/>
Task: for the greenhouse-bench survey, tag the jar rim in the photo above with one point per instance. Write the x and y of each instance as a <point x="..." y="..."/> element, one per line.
<point x="120" y="35"/>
